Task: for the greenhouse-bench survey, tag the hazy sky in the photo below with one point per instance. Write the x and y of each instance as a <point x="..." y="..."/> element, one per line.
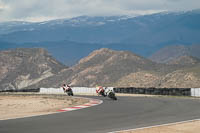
<point x="40" y="10"/>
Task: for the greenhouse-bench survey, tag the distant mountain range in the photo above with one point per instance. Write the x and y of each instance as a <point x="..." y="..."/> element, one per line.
<point x="71" y="39"/>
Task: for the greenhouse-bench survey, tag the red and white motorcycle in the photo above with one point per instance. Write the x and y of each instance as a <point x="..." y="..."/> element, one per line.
<point x="106" y="91"/>
<point x="67" y="89"/>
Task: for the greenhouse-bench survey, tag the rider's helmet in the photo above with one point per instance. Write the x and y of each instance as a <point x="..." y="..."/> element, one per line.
<point x="64" y="85"/>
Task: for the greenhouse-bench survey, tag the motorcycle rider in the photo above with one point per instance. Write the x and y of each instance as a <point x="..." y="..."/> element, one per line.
<point x="106" y="91"/>
<point x="100" y="91"/>
<point x="66" y="87"/>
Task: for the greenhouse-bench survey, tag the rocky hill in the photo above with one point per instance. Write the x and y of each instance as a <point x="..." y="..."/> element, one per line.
<point x="34" y="68"/>
<point x="168" y="53"/>
<point x="120" y="68"/>
<point x="102" y="67"/>
<point x="113" y="68"/>
<point x="106" y="66"/>
<point x="185" y="60"/>
<point x="20" y="68"/>
<point x="181" y="79"/>
<point x="186" y="78"/>
<point x="173" y="52"/>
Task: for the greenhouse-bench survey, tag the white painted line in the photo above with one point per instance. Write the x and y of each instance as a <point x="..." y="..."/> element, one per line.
<point x="68" y="109"/>
<point x="82" y="106"/>
<point x="92" y="104"/>
<point x="168" y="124"/>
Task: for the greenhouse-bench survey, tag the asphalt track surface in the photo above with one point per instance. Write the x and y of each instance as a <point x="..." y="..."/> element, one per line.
<point x="125" y="113"/>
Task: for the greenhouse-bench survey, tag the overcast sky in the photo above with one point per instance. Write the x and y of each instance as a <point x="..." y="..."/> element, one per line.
<point x="41" y="10"/>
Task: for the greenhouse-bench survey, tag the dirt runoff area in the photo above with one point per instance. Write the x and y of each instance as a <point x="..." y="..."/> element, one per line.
<point x="24" y="105"/>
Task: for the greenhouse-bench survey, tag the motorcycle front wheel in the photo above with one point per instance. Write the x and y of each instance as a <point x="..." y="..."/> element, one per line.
<point x="112" y="96"/>
<point x="70" y="93"/>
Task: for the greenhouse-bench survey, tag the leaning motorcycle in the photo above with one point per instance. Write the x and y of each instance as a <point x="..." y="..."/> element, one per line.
<point x="110" y="93"/>
<point x="69" y="92"/>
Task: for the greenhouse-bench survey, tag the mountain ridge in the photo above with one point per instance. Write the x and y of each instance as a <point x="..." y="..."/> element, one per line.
<point x="173" y="52"/>
<point x="120" y="68"/>
<point x="34" y="68"/>
<point x="142" y="35"/>
<point x="102" y="66"/>
<point x="185" y="60"/>
<point x="22" y="67"/>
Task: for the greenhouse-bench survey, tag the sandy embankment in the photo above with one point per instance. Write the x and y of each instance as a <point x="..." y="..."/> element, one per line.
<point x="15" y="106"/>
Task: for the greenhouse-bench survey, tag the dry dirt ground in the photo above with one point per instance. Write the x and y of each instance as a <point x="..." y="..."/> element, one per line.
<point x="22" y="105"/>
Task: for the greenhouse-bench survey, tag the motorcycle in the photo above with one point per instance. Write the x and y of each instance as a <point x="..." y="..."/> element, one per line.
<point x="68" y="91"/>
<point x="110" y="93"/>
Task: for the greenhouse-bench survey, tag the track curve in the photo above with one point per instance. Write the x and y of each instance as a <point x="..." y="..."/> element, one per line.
<point x="125" y="113"/>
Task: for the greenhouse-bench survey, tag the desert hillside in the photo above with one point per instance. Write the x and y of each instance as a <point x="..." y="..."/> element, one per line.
<point x="35" y="68"/>
<point x="173" y="52"/>
<point x="121" y="68"/>
<point x="20" y="68"/>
